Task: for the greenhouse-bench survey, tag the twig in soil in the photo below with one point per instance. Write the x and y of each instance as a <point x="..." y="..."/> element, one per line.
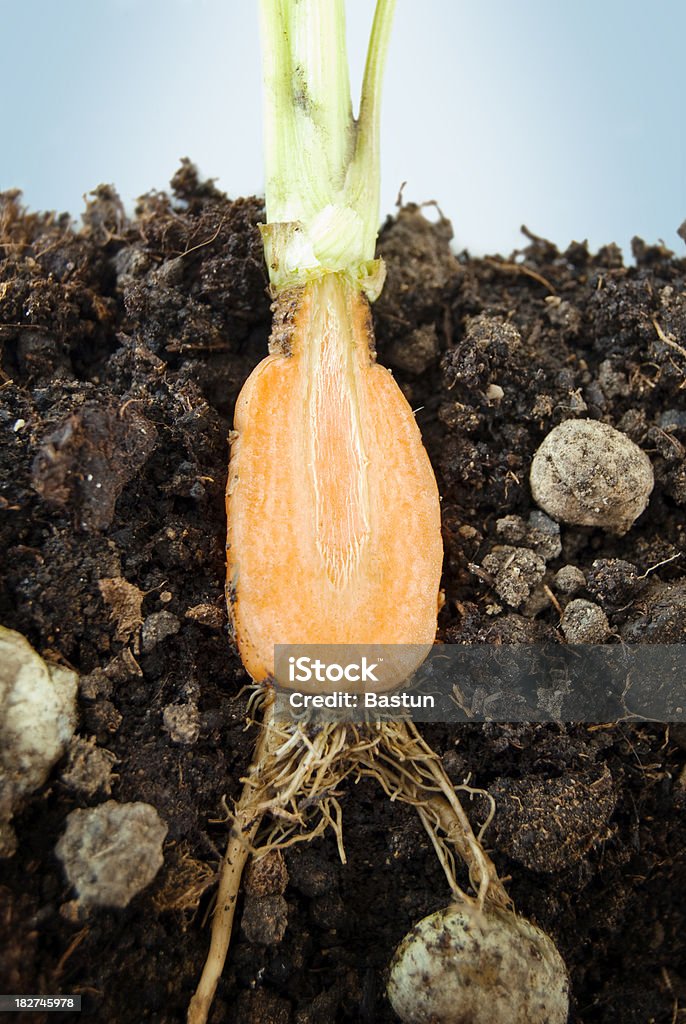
<point x="71" y="948"/>
<point x="553" y="600"/>
<point x="666" y="339"/>
<point x="201" y="245"/>
<point x="518" y="268"/>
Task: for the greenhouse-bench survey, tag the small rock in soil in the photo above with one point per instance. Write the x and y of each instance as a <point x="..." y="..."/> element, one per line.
<point x="515" y="572"/>
<point x="541" y="533"/>
<point x="515" y="629"/>
<point x="584" y="622"/>
<point x="569" y="579"/>
<point x="37" y="721"/>
<point x="182" y="722"/>
<point x="564" y="315"/>
<point x="512" y="529"/>
<point x="112" y="852"/>
<point x="589" y="474"/>
<point x="89" y="767"/>
<point x="612" y="380"/>
<point x="544" y="536"/>
<point x="156" y="628"/>
<point x="464" y="965"/>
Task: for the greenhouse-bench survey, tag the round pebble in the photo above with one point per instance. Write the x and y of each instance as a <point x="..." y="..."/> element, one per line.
<point x="584" y="622"/>
<point x="569" y="579"/>
<point x="111" y="852"/>
<point x="38" y="716"/>
<point x="466" y="966"/>
<point x="587" y="473"/>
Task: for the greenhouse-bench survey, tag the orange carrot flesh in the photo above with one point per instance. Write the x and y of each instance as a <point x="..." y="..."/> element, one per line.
<point x="332" y="506"/>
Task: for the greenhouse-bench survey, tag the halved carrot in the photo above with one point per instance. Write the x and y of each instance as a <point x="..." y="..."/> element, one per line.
<point x="332" y="506"/>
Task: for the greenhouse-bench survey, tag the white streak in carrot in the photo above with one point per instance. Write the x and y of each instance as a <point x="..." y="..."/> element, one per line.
<point x="339" y="462"/>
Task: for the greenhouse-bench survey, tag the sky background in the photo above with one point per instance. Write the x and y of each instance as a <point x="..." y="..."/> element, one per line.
<point x="567" y="117"/>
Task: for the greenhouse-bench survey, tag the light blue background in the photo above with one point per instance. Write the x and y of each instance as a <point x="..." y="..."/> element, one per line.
<point x="568" y="117"/>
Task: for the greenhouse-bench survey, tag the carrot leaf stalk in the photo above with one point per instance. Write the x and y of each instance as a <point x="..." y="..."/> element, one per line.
<point x="322" y="164"/>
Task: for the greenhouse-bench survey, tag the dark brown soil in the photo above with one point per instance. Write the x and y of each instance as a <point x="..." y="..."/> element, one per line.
<point x="124" y="346"/>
